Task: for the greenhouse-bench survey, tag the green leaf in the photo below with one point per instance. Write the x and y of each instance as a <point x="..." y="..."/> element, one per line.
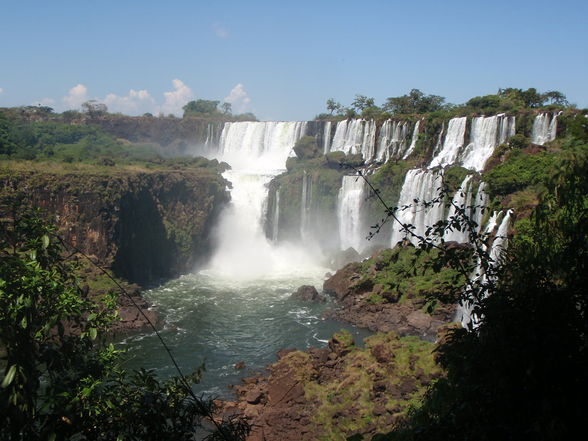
<point x="93" y="333"/>
<point x="9" y="376"/>
<point x="45" y="240"/>
<point x="33" y="254"/>
<point x="24" y="322"/>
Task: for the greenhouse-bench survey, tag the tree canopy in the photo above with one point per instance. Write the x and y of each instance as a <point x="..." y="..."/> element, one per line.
<point x="414" y="102"/>
<point x="61" y="378"/>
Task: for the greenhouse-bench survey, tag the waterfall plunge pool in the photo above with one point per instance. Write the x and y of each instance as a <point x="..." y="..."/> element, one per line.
<point x="220" y="322"/>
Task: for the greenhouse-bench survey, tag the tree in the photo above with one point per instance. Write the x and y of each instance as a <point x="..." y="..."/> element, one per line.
<point x="556" y="97"/>
<point x="94" y="108"/>
<point x="521" y="373"/>
<point x="362" y="102"/>
<point x="333" y="106"/>
<point x="227" y="108"/>
<point x="61" y="378"/>
<point x="414" y="102"/>
<point x="201" y="108"/>
<point x="7" y="144"/>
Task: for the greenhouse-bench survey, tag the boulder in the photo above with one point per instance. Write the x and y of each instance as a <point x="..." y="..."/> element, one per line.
<point x="342" y="258"/>
<point x="308" y="293"/>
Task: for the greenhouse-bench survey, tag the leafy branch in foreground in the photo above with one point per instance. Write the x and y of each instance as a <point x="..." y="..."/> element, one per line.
<point x="521" y="375"/>
<point x="474" y="263"/>
<point x="61" y="377"/>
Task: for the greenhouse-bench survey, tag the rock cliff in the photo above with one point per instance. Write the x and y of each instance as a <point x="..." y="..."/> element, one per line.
<point x="145" y="225"/>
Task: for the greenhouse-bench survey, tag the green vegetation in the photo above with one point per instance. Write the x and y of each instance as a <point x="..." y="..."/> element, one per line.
<point x="62" y="147"/>
<point x="61" y="378"/>
<point x="388" y="180"/>
<point x="306" y="148"/>
<point x="414" y="102"/>
<point x="418" y="103"/>
<point x="375" y="387"/>
<point x="212" y="109"/>
<point x="520" y="375"/>
<point x="409" y="274"/>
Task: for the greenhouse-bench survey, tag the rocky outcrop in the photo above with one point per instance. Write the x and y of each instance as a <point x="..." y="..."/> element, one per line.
<point x="144" y="225"/>
<point x="308" y="293"/>
<point x="388" y="292"/>
<point x="336" y="392"/>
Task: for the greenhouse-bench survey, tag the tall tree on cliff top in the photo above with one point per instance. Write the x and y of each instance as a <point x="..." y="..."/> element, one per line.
<point x="414" y="102"/>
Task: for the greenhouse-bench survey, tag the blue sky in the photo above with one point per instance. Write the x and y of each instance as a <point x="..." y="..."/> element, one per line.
<point x="283" y="60"/>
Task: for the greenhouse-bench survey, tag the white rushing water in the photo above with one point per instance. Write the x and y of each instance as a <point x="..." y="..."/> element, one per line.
<point x="327" y="137"/>
<point x="462" y="199"/>
<point x="544" y="128"/>
<point x="487" y="132"/>
<point x="276" y="218"/>
<point x="352" y="230"/>
<point x="465" y="312"/>
<point x="305" y="207"/>
<point x="415" y="135"/>
<point x="424" y="186"/>
<point x="480" y="204"/>
<point x="453" y="142"/>
<point x="355" y="136"/>
<point x="392" y="140"/>
<point x="256" y="151"/>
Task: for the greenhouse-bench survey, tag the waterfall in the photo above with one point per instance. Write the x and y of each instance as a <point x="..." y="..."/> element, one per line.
<point x="415" y="134"/>
<point x="481" y="202"/>
<point x="462" y="199"/>
<point x="506" y="128"/>
<point x="454" y="139"/>
<point x="327" y="137"/>
<point x="439" y="142"/>
<point x="355" y="136"/>
<point x="424" y="186"/>
<point x="305" y="206"/>
<point x="276" y="218"/>
<point x="483" y="138"/>
<point x="256" y="151"/>
<point x="350" y="214"/>
<point x="392" y="139"/>
<point x="501" y="240"/>
<point x="465" y="311"/>
<point x="487" y="132"/>
<point x="544" y="128"/>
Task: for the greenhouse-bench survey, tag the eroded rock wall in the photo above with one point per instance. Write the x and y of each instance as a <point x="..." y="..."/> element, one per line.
<point x="146" y="226"/>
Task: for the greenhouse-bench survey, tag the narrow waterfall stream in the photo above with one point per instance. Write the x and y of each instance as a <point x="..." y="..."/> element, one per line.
<point x="239" y="307"/>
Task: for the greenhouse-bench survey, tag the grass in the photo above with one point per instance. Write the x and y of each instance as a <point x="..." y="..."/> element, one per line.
<point x="346" y="404"/>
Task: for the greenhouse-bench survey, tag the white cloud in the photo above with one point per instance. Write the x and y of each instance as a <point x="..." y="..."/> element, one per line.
<point x="76" y="96"/>
<point x="44" y="102"/>
<point x="238" y="98"/>
<point x="1" y="90"/>
<point x="137" y="101"/>
<point x="175" y="100"/>
<point x="220" y="31"/>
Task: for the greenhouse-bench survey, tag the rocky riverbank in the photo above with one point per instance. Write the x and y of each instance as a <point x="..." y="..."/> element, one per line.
<point x="335" y="392"/>
<point x="395" y="290"/>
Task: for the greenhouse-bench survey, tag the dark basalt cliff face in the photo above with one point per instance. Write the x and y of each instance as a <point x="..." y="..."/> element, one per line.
<point x="145" y="225"/>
